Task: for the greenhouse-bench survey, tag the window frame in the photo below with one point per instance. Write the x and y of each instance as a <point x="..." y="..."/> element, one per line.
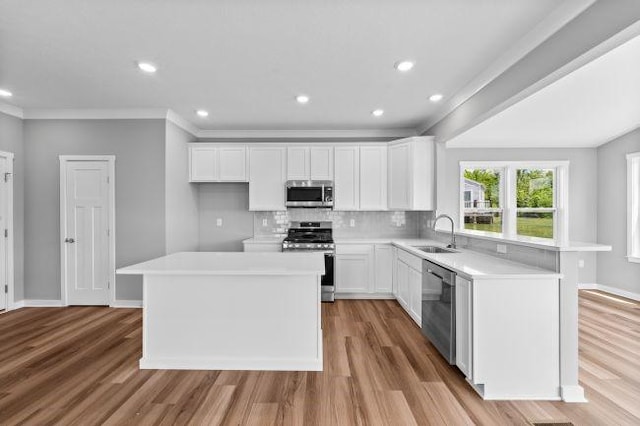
<point x="508" y="197"/>
<point x="633" y="207"/>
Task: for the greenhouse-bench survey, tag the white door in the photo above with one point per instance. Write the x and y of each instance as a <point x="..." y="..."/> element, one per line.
<point x="297" y="163"/>
<point x="86" y="210"/>
<point x="5" y="203"/>
<point x="321" y="163"/>
<point x="373" y="178"/>
<point x="267" y="176"/>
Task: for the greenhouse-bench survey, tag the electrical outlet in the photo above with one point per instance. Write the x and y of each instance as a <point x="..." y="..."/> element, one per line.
<point x="501" y="248"/>
<point x="265" y="222"/>
<point x="352" y="223"/>
<point x="580" y="263"/>
<point x="219" y="221"/>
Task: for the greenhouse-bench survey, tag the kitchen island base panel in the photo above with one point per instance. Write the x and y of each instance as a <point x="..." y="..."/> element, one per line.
<point x="232" y="322"/>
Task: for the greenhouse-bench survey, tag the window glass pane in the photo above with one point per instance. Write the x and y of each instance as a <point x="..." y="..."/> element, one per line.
<point x="534" y="188"/>
<point x="535" y="224"/>
<point x="482" y="207"/>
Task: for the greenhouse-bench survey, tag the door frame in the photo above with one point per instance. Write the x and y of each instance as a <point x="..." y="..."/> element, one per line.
<point x="11" y="303"/>
<point x="110" y="160"/>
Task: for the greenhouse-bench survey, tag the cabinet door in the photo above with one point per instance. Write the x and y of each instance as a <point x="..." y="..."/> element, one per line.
<point x="399" y="176"/>
<point x="464" y="353"/>
<point x="352" y="273"/>
<point x="394" y="270"/>
<point x="266" y="178"/>
<point x="321" y="163"/>
<point x="373" y="178"/>
<point x="415" y="295"/>
<point x="233" y="163"/>
<point x="298" y="163"/>
<point x="384" y="270"/>
<point x="203" y="164"/>
<point x="347" y="178"/>
<point x="403" y="284"/>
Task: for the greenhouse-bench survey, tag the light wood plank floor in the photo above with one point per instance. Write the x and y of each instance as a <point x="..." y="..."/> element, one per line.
<point x="79" y="366"/>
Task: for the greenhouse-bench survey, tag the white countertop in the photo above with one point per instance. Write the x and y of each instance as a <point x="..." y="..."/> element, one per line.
<point x="474" y="265"/>
<point x="265" y="239"/>
<point x="230" y="263"/>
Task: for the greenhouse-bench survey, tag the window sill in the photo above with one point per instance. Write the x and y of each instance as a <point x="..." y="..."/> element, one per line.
<point x="543" y="243"/>
<point x="633" y="259"/>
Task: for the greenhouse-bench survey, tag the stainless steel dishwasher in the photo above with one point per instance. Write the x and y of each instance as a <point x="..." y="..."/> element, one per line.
<point x="439" y="308"/>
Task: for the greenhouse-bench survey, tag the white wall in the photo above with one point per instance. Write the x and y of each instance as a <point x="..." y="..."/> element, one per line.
<point x="181" y="199"/>
<point x="583" y="181"/>
<point x="613" y="268"/>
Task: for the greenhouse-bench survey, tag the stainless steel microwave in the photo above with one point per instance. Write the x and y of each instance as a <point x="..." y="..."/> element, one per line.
<point x="309" y="193"/>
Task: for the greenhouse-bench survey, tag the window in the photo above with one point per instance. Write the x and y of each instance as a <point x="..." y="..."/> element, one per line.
<point x="515" y="199"/>
<point x="633" y="207"/>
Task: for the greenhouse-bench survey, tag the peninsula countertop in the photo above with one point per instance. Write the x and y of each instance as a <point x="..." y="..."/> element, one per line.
<point x="230" y="263"/>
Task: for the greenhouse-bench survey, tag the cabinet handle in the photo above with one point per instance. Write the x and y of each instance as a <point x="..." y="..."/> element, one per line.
<point x="69" y="240"/>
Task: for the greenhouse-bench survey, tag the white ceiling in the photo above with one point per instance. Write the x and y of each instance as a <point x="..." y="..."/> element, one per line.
<point x="245" y="61"/>
<point x="586" y="108"/>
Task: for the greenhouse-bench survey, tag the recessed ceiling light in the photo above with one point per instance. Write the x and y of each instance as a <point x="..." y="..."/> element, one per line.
<point x="147" y="67"/>
<point x="403" y="66"/>
<point x="377" y="112"/>
<point x="302" y="99"/>
<point x="435" y="98"/>
<point x="5" y="93"/>
<point x="202" y="113"/>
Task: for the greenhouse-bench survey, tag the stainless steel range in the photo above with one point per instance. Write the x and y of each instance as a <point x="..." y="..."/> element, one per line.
<point x="314" y="237"/>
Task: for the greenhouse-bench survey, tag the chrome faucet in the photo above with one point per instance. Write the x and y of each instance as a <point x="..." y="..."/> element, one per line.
<point x="453" y="235"/>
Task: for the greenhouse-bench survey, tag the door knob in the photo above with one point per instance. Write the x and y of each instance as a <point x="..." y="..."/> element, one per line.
<point x="69" y="240"/>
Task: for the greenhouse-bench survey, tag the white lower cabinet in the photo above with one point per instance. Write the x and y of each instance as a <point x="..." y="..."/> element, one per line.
<point x="408" y="283"/>
<point x="354" y="268"/>
<point x="383" y="282"/>
<point x="464" y="342"/>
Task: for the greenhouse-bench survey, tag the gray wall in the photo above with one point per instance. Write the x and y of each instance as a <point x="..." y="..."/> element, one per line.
<point x="229" y="201"/>
<point x="139" y="147"/>
<point x="12" y="140"/>
<point x="613" y="268"/>
<point x="181" y="196"/>
<point x="583" y="179"/>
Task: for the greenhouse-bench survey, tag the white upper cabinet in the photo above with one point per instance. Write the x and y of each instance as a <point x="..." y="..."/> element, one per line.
<point x="217" y="163"/>
<point x="346" y="185"/>
<point x="321" y="163"/>
<point x="411" y="174"/>
<point x="267" y="176"/>
<point x="309" y="162"/>
<point x="373" y="177"/>
<point x="298" y="164"/>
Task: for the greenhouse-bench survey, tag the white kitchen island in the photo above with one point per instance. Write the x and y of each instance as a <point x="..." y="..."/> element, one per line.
<point x="231" y="311"/>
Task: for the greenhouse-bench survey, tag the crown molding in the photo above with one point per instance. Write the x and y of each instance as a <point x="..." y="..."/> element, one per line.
<point x="181" y="122"/>
<point x="95" y="113"/>
<point x="11" y="110"/>
<point x="173" y="117"/>
<point x="563" y="14"/>
<point x="306" y="134"/>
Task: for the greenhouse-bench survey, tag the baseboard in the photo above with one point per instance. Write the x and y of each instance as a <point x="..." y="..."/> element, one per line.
<point x="16" y="305"/>
<point x="39" y="303"/>
<point x="127" y="304"/>
<point x="587" y="286"/>
<point x="574" y="393"/>
<point x="376" y="296"/>
<point x="611" y="290"/>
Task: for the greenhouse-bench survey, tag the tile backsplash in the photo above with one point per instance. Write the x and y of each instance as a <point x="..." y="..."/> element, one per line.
<point x="345" y="224"/>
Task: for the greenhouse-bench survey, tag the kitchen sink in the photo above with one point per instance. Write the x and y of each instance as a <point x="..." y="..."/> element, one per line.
<point x="436" y="249"/>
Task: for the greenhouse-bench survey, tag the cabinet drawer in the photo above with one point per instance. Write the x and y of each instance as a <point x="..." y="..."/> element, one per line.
<point x="354" y="248"/>
<point x="413" y="261"/>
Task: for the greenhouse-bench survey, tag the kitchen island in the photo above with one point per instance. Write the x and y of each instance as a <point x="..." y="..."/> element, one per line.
<point x="231" y="311"/>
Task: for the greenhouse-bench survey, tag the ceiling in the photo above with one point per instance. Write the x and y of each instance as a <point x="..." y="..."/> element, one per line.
<point x="245" y="61"/>
<point x="590" y="106"/>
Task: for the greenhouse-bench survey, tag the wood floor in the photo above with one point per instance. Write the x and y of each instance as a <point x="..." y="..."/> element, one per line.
<point x="80" y="366"/>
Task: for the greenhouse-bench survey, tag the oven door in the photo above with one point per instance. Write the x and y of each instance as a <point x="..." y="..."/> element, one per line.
<point x="327" y="286"/>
